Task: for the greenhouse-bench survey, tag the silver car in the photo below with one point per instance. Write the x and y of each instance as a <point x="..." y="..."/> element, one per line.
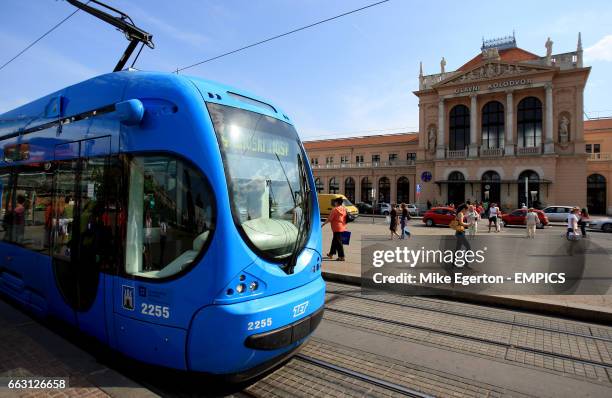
<point x="557" y="213"/>
<point x="413" y="210"/>
<point x="603" y="224"/>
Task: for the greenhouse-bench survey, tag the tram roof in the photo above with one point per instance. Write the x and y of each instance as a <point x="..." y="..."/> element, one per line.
<point x="109" y="88"/>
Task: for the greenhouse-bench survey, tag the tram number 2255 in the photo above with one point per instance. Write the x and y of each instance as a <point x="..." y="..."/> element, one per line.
<point x="155" y="310"/>
<point x="261" y="323"/>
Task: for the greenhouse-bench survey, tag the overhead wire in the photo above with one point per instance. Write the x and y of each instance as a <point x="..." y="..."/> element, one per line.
<point x="39" y="39"/>
<point x="280" y="35"/>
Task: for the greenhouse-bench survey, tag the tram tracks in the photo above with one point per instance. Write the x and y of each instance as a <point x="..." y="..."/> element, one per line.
<point x="473" y="316"/>
<point x="473" y="338"/>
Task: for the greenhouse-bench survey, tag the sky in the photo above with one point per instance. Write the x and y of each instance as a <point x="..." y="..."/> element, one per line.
<point x="352" y="76"/>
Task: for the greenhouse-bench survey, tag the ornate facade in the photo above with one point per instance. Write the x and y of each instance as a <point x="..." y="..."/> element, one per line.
<point x="505" y="127"/>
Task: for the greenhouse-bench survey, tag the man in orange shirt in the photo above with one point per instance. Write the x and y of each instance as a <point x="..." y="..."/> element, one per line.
<point x="337" y="219"/>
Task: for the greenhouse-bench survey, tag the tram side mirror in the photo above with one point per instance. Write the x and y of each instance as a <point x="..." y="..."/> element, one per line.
<point x="130" y="112"/>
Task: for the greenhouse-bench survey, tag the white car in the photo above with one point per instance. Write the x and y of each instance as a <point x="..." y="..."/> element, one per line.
<point x="413" y="210"/>
<point x="383" y="208"/>
<point x="557" y="213"/>
<point x="603" y="224"/>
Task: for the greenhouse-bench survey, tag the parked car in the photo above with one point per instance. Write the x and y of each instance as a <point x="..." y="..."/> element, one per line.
<point x="557" y="213"/>
<point x="439" y="216"/>
<point x="518" y="216"/>
<point x="364" y="208"/>
<point x="383" y="208"/>
<point x="602" y="224"/>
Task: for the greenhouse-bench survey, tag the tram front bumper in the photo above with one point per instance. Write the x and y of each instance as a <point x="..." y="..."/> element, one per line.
<point x="285" y="336"/>
<point x="234" y="338"/>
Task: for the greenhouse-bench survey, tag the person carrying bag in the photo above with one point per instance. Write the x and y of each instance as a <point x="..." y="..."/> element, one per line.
<point x="337" y="220"/>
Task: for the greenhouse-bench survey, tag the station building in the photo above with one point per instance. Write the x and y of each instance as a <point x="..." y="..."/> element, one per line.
<point x="507" y="127"/>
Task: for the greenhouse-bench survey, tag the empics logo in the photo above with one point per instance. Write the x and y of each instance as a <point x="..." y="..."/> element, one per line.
<point x="128" y="297"/>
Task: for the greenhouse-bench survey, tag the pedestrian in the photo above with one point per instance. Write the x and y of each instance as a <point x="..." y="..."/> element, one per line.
<point x="493" y="213"/>
<point x="404" y="218"/>
<point x="337" y="220"/>
<point x="428" y="204"/>
<point x="393" y="221"/>
<point x="460" y="225"/>
<point x="583" y="221"/>
<point x="531" y="220"/>
<point x="499" y="225"/>
<point x="572" y="224"/>
<point x="472" y="220"/>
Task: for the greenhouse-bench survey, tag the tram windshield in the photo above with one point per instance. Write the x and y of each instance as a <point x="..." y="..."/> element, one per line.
<point x="268" y="185"/>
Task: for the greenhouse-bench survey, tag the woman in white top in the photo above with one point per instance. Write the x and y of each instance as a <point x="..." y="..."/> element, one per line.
<point x="531" y="219"/>
<point x="572" y="223"/>
<point x="493" y="213"/>
<point x="472" y="220"/>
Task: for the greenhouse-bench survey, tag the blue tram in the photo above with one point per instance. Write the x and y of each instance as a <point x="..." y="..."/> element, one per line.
<point x="170" y="217"/>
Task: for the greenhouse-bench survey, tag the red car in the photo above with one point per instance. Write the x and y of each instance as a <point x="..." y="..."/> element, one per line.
<point x="518" y="216"/>
<point x="439" y="216"/>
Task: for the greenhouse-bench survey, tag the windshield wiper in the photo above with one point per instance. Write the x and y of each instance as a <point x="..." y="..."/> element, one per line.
<point x="305" y="219"/>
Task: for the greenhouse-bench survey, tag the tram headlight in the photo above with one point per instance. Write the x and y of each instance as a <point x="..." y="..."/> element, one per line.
<point x="253" y="286"/>
<point x="240" y="287"/>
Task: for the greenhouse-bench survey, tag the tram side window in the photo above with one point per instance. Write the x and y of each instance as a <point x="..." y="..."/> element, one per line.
<point x="26" y="205"/>
<point x="6" y="196"/>
<point x="34" y="189"/>
<point x="170" y="216"/>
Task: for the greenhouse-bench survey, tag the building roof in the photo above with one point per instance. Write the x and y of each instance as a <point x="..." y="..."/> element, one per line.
<point x="507" y="55"/>
<point x="594" y="125"/>
<point x="400" y="138"/>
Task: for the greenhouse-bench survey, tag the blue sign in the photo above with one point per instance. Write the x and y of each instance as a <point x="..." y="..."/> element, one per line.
<point x="426" y="176"/>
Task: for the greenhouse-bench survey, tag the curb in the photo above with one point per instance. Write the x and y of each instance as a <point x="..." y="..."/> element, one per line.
<point x="578" y="312"/>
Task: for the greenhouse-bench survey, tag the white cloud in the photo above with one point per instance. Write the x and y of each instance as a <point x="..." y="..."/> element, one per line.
<point x="193" y="39"/>
<point x="600" y="51"/>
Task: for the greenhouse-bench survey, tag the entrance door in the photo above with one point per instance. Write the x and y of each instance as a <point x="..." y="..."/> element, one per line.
<point x="596" y="194"/>
<point x="82" y="198"/>
<point x="456" y="188"/>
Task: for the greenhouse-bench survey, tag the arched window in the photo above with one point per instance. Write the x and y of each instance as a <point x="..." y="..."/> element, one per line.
<point x="490" y="187"/>
<point x="403" y="190"/>
<point x="319" y="185"/>
<point x="459" y="127"/>
<point x="596" y="194"/>
<point x="366" y="190"/>
<point x="384" y="190"/>
<point x="334" y="186"/>
<point x="529" y="189"/>
<point x="529" y="122"/>
<point x="456" y="188"/>
<point x="493" y="125"/>
<point x="349" y="189"/>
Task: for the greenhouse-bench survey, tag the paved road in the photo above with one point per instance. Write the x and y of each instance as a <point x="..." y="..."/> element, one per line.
<point x="374" y="345"/>
<point x="387" y="345"/>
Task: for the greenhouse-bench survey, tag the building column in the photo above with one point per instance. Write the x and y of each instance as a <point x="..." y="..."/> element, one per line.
<point x="393" y="190"/>
<point x="440" y="148"/>
<point x="509" y="128"/>
<point x="549" y="144"/>
<point x="357" y="189"/>
<point x="473" y="147"/>
<point x="578" y="130"/>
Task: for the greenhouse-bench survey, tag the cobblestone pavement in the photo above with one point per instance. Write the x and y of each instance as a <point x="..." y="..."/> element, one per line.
<point x="30" y="350"/>
<point x="378" y="230"/>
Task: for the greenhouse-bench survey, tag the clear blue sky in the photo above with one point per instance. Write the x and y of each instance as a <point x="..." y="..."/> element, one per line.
<point x="346" y="77"/>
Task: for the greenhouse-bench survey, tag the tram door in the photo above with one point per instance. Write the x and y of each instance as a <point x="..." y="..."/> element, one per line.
<point x="82" y="237"/>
